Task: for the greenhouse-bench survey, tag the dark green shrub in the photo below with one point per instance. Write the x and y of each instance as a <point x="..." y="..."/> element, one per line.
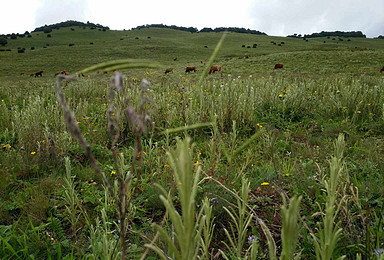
<point x="3" y="41"/>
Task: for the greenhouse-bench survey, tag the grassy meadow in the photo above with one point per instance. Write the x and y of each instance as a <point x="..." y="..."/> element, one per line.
<point x="248" y="163"/>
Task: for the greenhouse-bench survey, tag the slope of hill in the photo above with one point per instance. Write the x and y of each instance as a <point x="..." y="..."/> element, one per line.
<point x="77" y="47"/>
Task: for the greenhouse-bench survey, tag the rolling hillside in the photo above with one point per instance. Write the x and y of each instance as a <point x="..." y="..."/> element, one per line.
<point x="357" y="56"/>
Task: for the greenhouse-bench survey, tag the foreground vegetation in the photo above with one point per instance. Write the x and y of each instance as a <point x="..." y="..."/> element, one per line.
<point x="247" y="164"/>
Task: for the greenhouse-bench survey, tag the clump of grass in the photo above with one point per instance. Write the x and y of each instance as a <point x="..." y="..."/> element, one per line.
<point x="329" y="231"/>
<point x="187" y="228"/>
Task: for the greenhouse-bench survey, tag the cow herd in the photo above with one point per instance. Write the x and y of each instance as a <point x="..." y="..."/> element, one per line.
<point x="216" y="68"/>
<point x="213" y="69"/>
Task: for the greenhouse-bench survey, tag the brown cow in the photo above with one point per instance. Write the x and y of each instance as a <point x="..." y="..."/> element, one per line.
<point x="246" y="56"/>
<point x="22" y="73"/>
<point x="382" y="69"/>
<point x="32" y="74"/>
<point x="190" y="68"/>
<point x="169" y="70"/>
<point x="63" y="72"/>
<point x="214" y="68"/>
<point x="278" y="66"/>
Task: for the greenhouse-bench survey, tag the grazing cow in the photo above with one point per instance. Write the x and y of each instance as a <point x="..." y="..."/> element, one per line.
<point x="175" y="59"/>
<point x="169" y="70"/>
<point x="39" y="74"/>
<point x="190" y="68"/>
<point x="246" y="56"/>
<point x="22" y="73"/>
<point x="63" y="72"/>
<point x="214" y="68"/>
<point x="32" y="74"/>
<point x="278" y="66"/>
<point x="382" y="69"/>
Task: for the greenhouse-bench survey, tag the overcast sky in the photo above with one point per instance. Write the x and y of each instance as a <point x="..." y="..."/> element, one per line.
<point x="274" y="17"/>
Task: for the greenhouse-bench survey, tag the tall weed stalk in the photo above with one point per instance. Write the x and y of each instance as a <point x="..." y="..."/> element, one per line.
<point x="185" y="239"/>
<point x="329" y="231"/>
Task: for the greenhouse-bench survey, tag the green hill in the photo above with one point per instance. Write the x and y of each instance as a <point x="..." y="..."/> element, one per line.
<point x="358" y="55"/>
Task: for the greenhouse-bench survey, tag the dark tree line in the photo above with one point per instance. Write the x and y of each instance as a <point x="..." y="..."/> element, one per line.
<point x="232" y="29"/>
<point x="195" y="30"/>
<point x="330" y="34"/>
<point x="69" y="23"/>
<point x="181" y="28"/>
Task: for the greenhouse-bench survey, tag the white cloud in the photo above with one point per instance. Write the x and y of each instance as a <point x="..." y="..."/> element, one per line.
<point x="198" y="13"/>
<point x="54" y="11"/>
<point x="275" y="17"/>
<point x="18" y="16"/>
<point x="281" y="17"/>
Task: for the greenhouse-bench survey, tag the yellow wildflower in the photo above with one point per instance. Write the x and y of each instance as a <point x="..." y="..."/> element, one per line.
<point x="166" y="165"/>
<point x="7" y="146"/>
<point x="358" y="111"/>
<point x="196" y="163"/>
<point x="113" y="172"/>
<point x="33" y="153"/>
<point x="265" y="184"/>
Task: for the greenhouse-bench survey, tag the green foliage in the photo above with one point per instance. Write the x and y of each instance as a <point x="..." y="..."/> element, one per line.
<point x="329" y="231"/>
<point x="3" y="41"/>
<point x="246" y="122"/>
<point x="237" y="234"/>
<point x="290" y="228"/>
<point x="186" y="227"/>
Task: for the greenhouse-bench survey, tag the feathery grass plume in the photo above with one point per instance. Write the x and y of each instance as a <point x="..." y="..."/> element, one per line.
<point x="187" y="229"/>
<point x="116" y="84"/>
<point x="329" y="231"/>
<point x="241" y="221"/>
<point x="137" y="122"/>
<point x="74" y="129"/>
<point x="120" y="64"/>
<point x="290" y="228"/>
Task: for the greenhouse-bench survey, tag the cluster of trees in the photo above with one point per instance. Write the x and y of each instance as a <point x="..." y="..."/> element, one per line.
<point x="12" y="36"/>
<point x="195" y="30"/>
<point x="380" y="37"/>
<point x="232" y="29"/>
<point x="181" y="28"/>
<point x="3" y="41"/>
<point x="330" y="34"/>
<point x="69" y="23"/>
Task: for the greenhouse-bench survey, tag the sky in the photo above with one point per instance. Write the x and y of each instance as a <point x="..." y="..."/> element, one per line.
<point x="274" y="17"/>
